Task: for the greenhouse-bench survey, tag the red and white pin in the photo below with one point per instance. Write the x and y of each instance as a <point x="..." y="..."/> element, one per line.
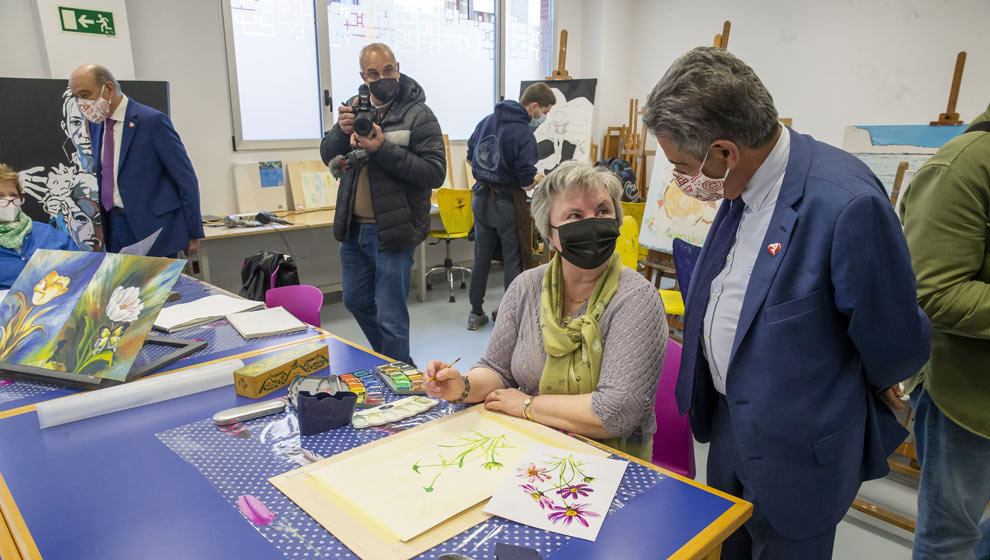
<point x="773" y="249"/>
<point x="131" y="124"/>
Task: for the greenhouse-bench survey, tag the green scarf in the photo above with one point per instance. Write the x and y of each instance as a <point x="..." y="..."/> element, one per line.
<point x="574" y="351"/>
<point x="12" y="233"/>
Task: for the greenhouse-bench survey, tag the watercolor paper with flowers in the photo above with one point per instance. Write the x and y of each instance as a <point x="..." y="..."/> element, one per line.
<point x="560" y="491"/>
<point x="422" y="479"/>
<point x="85" y="313"/>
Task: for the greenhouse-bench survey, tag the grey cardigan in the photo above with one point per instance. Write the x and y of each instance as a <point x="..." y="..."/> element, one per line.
<point x="634" y="336"/>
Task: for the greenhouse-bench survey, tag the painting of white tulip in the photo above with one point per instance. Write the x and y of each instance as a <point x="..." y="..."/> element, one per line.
<point x="84" y="313"/>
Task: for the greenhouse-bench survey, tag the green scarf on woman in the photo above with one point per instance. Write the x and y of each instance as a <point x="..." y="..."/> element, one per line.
<point x="12" y="233"/>
<point x="574" y="351"/>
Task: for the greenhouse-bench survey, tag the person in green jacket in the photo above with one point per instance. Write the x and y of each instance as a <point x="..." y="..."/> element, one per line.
<point x="946" y="216"/>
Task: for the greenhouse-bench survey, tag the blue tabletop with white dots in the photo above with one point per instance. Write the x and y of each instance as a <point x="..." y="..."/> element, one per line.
<point x="161" y="481"/>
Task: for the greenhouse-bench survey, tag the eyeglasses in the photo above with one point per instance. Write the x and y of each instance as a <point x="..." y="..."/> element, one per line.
<point x="15" y="200"/>
<point x="373" y="75"/>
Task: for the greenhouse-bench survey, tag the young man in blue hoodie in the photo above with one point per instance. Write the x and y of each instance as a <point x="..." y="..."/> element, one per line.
<point x="503" y="155"/>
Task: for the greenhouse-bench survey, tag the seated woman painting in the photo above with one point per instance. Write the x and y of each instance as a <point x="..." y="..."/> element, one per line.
<point x="19" y="236"/>
<point x="579" y="342"/>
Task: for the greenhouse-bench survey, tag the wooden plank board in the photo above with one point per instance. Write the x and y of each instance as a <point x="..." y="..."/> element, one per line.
<point x="367" y="538"/>
<point x="304" y="180"/>
<point x="251" y="195"/>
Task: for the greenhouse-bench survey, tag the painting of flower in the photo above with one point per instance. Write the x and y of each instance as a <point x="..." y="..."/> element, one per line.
<point x="537" y="495"/>
<point x="50" y="287"/>
<point x="575" y="490"/>
<point x="86" y="313"/>
<point x="565" y="492"/>
<point x="566" y="514"/>
<point x="533" y="473"/>
<point x="125" y="305"/>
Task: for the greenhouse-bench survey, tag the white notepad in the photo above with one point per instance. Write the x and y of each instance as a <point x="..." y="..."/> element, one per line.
<point x="201" y="311"/>
<point x="267" y="322"/>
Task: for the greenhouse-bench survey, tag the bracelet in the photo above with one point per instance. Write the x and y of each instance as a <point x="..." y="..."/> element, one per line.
<point x="467" y="389"/>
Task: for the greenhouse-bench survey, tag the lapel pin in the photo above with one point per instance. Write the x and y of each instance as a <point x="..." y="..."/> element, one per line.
<point x="131" y="124"/>
<point x="773" y="249"/>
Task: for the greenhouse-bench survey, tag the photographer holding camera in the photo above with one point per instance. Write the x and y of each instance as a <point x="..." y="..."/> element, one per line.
<point x="388" y="151"/>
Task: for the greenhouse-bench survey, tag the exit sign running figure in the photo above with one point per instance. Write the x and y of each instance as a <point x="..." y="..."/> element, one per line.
<point x="77" y="20"/>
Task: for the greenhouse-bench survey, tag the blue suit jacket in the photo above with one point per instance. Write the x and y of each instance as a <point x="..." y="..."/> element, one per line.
<point x="155" y="178"/>
<point x="42" y="236"/>
<point x="828" y="322"/>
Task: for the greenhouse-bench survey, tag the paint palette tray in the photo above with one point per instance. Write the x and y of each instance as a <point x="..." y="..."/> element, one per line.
<point x="402" y="378"/>
<point x="392" y="412"/>
<point x="367" y="387"/>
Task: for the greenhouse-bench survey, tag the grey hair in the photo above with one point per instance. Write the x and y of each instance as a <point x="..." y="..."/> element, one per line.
<point x="568" y="178"/>
<point x="102" y="76"/>
<point x="708" y="94"/>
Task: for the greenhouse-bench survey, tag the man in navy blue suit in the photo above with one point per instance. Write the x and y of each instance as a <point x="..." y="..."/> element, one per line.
<point x="146" y="179"/>
<point x="801" y="312"/>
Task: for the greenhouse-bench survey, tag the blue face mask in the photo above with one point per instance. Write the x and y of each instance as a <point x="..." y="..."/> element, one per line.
<point x="535" y="123"/>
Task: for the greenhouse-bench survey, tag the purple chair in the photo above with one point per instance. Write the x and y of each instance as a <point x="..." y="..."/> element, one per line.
<point x="673" y="444"/>
<point x="304" y="302"/>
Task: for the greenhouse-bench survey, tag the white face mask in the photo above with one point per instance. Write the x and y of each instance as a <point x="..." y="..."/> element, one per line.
<point x="701" y="186"/>
<point x="95" y="110"/>
<point x="9" y="213"/>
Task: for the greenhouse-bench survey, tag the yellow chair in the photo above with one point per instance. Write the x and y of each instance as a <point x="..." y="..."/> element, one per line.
<point x="458" y="219"/>
<point x="673" y="303"/>
<point x="636" y="209"/>
<point x="628" y="243"/>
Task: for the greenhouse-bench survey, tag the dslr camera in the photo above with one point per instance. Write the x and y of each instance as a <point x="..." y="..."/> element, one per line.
<point x="365" y="114"/>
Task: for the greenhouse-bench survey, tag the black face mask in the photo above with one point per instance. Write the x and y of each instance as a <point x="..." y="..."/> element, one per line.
<point x="384" y="89"/>
<point x="588" y="243"/>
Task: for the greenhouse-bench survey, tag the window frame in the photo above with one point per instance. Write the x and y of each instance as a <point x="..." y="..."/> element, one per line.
<point x="326" y="86"/>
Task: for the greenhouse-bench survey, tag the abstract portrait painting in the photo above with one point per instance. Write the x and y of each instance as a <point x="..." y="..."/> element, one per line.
<point x="83" y="313"/>
<point x="566" y="134"/>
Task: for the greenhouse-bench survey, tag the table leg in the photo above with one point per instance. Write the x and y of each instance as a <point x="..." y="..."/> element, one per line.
<point x="715" y="554"/>
<point x="204" y="262"/>
<point x="421" y="271"/>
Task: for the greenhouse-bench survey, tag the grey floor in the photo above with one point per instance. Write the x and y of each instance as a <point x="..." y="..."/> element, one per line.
<point x="438" y="332"/>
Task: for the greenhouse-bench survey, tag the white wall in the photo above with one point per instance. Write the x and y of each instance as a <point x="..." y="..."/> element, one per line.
<point x="829" y="64"/>
<point x="65" y="51"/>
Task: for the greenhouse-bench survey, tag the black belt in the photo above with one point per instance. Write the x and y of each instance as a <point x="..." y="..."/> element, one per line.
<point x="117" y="211"/>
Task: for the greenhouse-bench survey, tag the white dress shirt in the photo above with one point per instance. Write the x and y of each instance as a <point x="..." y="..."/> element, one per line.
<point x="119" y="116"/>
<point x="728" y="289"/>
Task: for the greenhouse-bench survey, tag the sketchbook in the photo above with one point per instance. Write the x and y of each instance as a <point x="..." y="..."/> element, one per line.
<point x="201" y="311"/>
<point x="266" y="322"/>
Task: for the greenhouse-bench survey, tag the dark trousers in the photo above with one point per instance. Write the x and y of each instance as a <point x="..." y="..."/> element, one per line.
<point x="117" y="233"/>
<point x="375" y="286"/>
<point x="494" y="220"/>
<point x="756" y="539"/>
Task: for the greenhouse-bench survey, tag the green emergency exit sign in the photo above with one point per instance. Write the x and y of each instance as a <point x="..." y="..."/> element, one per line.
<point x="78" y="20"/>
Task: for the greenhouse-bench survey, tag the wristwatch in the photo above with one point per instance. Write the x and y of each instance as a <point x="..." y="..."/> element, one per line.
<point x="526" y="406"/>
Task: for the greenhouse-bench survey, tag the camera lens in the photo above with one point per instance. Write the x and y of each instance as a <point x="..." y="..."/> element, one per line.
<point x="363" y="124"/>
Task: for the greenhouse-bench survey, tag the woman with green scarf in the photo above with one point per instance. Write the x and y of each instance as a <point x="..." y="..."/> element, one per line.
<point x="579" y="342"/>
<point x="19" y="236"/>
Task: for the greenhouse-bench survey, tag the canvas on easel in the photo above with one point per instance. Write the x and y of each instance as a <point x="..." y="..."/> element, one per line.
<point x="670" y="214"/>
<point x="566" y="133"/>
<point x="81" y="318"/>
<point x="419" y="487"/>
<point x="311" y="185"/>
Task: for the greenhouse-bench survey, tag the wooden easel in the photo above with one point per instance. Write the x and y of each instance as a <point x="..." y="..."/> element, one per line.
<point x="898" y="179"/>
<point x="561" y="72"/>
<point x="950" y="116"/>
<point x="722" y="39"/>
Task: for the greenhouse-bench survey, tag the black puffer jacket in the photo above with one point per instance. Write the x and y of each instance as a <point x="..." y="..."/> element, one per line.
<point x="402" y="173"/>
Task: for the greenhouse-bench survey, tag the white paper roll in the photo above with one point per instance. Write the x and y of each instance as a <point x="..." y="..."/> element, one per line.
<point x="136" y="393"/>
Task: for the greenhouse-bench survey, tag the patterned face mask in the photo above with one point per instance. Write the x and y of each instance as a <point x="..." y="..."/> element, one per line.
<point x="95" y="110"/>
<point x="701" y="186"/>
